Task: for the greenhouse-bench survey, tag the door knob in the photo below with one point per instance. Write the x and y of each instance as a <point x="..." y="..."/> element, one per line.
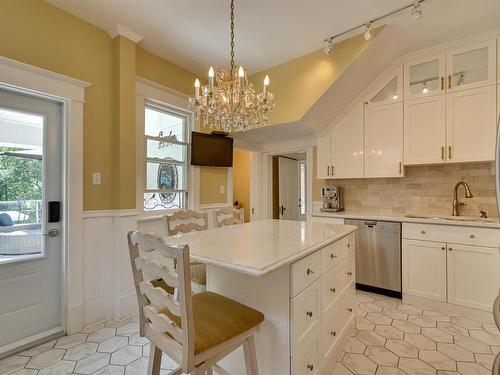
<point x="52" y="233"/>
<point x="309" y="314"/>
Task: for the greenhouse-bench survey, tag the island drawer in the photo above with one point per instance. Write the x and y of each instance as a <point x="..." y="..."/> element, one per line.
<point x="304" y="272"/>
<point x="489" y="237"/>
<point x="336" y="252"/>
<point x="305" y="316"/>
<point x="307" y="361"/>
<point x="333" y="283"/>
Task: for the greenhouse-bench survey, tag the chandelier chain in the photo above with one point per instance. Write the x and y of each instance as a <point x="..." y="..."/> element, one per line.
<point x="232" y="37"/>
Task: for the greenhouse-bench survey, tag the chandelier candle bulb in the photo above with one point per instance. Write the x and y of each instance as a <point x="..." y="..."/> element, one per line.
<point x="241" y="78"/>
<point x="197" y="88"/>
<point x="211" y="74"/>
<point x="266" y="85"/>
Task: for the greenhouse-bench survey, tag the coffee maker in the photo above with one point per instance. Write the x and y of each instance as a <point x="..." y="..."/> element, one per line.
<point x="332" y="199"/>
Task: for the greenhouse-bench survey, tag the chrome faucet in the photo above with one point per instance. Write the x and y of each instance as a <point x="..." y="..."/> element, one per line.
<point x="456" y="203"/>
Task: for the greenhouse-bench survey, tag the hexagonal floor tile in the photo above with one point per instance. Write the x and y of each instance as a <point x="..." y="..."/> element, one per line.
<point x="101" y="334"/>
<point x="361" y="297"/>
<point x="126" y="355"/>
<point x="402" y="348"/>
<point x="111" y="370"/>
<point x="359" y="364"/>
<point x="437" y="335"/>
<point x="370" y="338"/>
<point x="414" y="366"/>
<point x="138" y="367"/>
<point x="11" y="364"/>
<point x="436" y="316"/>
<point x="473" y="345"/>
<point x="340" y="369"/>
<point x="453" y="329"/>
<point x="128" y="329"/>
<point x="46" y="358"/>
<point x="409" y="309"/>
<point x="485" y="360"/>
<point x="113" y="344"/>
<point x="39" y="349"/>
<point x="81" y="351"/>
<point x="384" y="370"/>
<point x="92" y="363"/>
<point x="472" y="368"/>
<point x="486" y="337"/>
<point x="455" y="352"/>
<point x="422" y="321"/>
<point x="395" y="314"/>
<point x="370" y="307"/>
<point x="382" y="356"/>
<point x="437" y="360"/>
<point x="420" y="341"/>
<point x="378" y="318"/>
<point x="59" y="368"/>
<point x="353" y="345"/>
<point x="364" y="325"/>
<point x="406" y="326"/>
<point x="25" y="371"/>
<point x="389" y="332"/>
<point x="135" y="339"/>
<point x="386" y="304"/>
<point x="67" y="342"/>
<point x="466" y="323"/>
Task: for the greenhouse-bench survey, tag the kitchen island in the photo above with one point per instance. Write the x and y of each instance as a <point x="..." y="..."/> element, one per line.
<point x="299" y="274"/>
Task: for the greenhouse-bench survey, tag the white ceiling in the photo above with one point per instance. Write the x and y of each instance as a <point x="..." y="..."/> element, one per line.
<point x="195" y="33"/>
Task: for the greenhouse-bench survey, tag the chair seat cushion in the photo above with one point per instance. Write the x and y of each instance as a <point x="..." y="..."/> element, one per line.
<point x="199" y="273"/>
<point x="218" y="319"/>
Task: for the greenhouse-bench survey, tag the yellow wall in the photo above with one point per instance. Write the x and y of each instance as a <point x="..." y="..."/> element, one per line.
<point x="297" y="84"/>
<point x="211" y="178"/>
<point x="241" y="180"/>
<point x="37" y="33"/>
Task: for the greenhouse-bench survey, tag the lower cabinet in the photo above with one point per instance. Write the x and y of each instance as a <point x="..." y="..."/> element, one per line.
<point x="461" y="274"/>
<point x="323" y="313"/>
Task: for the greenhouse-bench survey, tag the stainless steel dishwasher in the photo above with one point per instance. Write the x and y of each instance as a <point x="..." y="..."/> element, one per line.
<point x="378" y="256"/>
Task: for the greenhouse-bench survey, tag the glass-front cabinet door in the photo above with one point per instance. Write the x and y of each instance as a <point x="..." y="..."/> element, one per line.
<point x="471" y="67"/>
<point x="389" y="91"/>
<point x="425" y="77"/>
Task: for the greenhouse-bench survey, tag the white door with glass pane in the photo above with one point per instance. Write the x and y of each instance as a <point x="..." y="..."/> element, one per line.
<point x="166" y="143"/>
<point x="30" y="247"/>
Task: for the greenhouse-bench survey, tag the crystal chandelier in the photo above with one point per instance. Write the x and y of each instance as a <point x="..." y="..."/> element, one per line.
<point x="231" y="104"/>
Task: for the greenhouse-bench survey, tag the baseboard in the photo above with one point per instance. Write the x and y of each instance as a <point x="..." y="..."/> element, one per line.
<point x="483" y="316"/>
<point x="74" y="318"/>
<point x="30" y="342"/>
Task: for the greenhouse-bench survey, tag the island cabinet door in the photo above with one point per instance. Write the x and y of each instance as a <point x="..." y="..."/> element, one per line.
<point x="307" y="361"/>
<point x="424" y="269"/>
<point x="305" y="316"/>
<point x="333" y="283"/>
<point x="473" y="276"/>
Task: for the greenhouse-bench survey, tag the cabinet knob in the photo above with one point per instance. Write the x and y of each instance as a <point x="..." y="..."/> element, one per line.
<point x="472" y="236"/>
<point x="310" y="271"/>
<point x="450" y="249"/>
<point x="310" y="367"/>
<point x="349" y="273"/>
<point x="348" y="245"/>
<point x="309" y="314"/>
<point x="333" y="290"/>
<point x="333" y="333"/>
<point x="332" y="256"/>
<point x="349" y="309"/>
<point x="423" y="232"/>
<point x="443" y="248"/>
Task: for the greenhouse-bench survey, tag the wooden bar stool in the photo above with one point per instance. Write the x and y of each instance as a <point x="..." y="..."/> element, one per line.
<point x="229" y="216"/>
<point x="196" y="330"/>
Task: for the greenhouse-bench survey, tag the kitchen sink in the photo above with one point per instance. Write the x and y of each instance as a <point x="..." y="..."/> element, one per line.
<point x="453" y="218"/>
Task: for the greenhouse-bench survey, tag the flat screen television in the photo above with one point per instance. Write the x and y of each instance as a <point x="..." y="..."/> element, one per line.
<point x="211" y="150"/>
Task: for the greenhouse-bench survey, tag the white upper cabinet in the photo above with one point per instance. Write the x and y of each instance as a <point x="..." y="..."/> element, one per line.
<point x="323" y="157"/>
<point x="424" y="77"/>
<point x="384" y="140"/>
<point x="425" y="130"/>
<point x="470" y="67"/>
<point x="389" y="92"/>
<point x="471" y="124"/>
<point x="347" y="158"/>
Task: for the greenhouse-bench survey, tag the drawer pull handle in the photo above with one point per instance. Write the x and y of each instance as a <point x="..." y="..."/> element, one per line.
<point x="349" y="273"/>
<point x="332" y="256"/>
<point x="450" y="249"/>
<point x="310" y="271"/>
<point x="309" y="314"/>
<point x="443" y="248"/>
<point x="348" y="245"/>
<point x="333" y="290"/>
<point x="349" y="309"/>
<point x="422" y="231"/>
<point x="472" y="236"/>
<point x="333" y="333"/>
<point x="310" y="367"/>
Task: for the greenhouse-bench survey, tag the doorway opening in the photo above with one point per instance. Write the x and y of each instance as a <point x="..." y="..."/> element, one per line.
<point x="289" y="186"/>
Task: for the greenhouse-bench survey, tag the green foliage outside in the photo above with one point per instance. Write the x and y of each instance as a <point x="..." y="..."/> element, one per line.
<point x="19" y="177"/>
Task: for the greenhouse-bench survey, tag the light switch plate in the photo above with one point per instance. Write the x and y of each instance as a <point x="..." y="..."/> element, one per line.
<point x="96" y="178"/>
<point x="221" y="189"/>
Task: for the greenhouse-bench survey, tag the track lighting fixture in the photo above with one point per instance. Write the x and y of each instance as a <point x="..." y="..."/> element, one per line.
<point x="368" y="31"/>
<point x="416" y="11"/>
<point x="329" y="47"/>
<point x="425" y="89"/>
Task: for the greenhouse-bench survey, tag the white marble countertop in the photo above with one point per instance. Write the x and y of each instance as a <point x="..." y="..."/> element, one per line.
<point x="489" y="223"/>
<point x="259" y="247"/>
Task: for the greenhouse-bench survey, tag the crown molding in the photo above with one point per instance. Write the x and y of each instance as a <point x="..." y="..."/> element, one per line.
<point x="119" y="29"/>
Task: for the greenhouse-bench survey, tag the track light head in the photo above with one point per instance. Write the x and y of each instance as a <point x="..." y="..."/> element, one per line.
<point x="416" y="11"/>
<point x="368" y="32"/>
<point x="329" y="47"/>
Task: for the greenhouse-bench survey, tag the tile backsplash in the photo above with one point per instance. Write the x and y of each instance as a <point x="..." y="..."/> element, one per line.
<point x="423" y="190"/>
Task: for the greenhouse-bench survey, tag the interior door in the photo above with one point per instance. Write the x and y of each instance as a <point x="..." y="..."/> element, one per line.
<point x="288" y="188"/>
<point x="30" y="248"/>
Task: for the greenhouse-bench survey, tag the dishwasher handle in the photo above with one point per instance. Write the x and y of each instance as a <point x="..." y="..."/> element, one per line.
<point x="370" y="224"/>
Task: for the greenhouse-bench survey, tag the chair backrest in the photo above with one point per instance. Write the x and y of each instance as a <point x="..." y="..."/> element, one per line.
<point x="185" y="221"/>
<point x="496" y="311"/>
<point x="155" y="298"/>
<point x="22" y="204"/>
<point x="229" y="216"/>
